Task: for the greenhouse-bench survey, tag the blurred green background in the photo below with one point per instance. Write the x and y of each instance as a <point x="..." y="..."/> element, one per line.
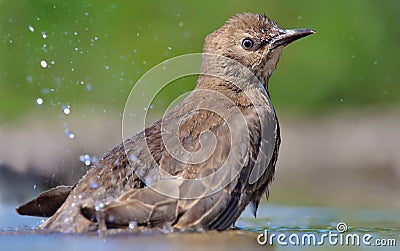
<point x="87" y="55"/>
<point x="96" y="50"/>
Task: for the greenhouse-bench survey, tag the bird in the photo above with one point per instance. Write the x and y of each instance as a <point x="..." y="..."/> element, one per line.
<point x="203" y="162"/>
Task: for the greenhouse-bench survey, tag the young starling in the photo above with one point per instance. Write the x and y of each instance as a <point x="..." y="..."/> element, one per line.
<point x="203" y="162"/>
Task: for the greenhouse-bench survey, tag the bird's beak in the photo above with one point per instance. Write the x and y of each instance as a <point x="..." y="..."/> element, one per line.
<point x="288" y="36"/>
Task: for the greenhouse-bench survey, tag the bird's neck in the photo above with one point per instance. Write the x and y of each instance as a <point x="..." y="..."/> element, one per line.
<point x="222" y="74"/>
<point x="242" y="97"/>
<point x="267" y="66"/>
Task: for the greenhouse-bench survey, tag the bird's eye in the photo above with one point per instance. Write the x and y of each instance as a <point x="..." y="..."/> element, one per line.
<point x="247" y="43"/>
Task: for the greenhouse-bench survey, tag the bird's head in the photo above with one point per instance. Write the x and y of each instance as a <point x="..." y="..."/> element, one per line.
<point x="254" y="41"/>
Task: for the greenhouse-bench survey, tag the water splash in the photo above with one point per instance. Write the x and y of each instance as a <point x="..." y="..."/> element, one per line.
<point x="148" y="180"/>
<point x="167" y="228"/>
<point x="87" y="159"/>
<point x="69" y="134"/>
<point x="111" y="218"/>
<point x="30" y="28"/>
<point x="66" y="109"/>
<point x="132" y="157"/>
<point x="93" y="185"/>
<point x="133" y="225"/>
<point x="98" y="205"/>
<point x="43" y="63"/>
<point x="39" y="101"/>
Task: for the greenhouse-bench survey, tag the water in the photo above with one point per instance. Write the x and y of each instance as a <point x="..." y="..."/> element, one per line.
<point x="276" y="219"/>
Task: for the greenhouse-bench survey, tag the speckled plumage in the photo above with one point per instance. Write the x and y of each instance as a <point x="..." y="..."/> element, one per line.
<point x="242" y="108"/>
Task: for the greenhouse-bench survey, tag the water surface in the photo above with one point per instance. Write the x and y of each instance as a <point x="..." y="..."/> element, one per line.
<point x="276" y="219"/>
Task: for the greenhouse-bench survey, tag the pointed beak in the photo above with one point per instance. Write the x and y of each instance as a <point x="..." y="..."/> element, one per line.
<point x="289" y="36"/>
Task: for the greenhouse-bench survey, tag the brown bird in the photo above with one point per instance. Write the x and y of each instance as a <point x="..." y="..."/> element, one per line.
<point x="201" y="164"/>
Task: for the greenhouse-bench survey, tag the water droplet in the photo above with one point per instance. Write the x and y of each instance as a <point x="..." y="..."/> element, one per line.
<point x="148" y="180"/>
<point x="66" y="109"/>
<point x="375" y="62"/>
<point x="30" y="28"/>
<point x="151" y="106"/>
<point x="29" y="79"/>
<point x="85" y="159"/>
<point x="137" y="34"/>
<point x="167" y="228"/>
<point x="199" y="230"/>
<point x="341" y="100"/>
<point x="180" y="24"/>
<point x="107" y="67"/>
<point x="89" y="87"/>
<point x="98" y="205"/>
<point x="299" y="17"/>
<point x="186" y="34"/>
<point x="69" y="134"/>
<point x="43" y="63"/>
<point x="132" y="157"/>
<point x="44" y="35"/>
<point x="39" y="101"/>
<point x="111" y="218"/>
<point x="34" y="186"/>
<point x="169" y="48"/>
<point x="93" y="185"/>
<point x="133" y="225"/>
<point x="75" y="33"/>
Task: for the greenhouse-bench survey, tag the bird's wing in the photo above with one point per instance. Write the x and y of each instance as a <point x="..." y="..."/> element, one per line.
<point x="144" y="206"/>
<point x="205" y="194"/>
<point x="47" y="203"/>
